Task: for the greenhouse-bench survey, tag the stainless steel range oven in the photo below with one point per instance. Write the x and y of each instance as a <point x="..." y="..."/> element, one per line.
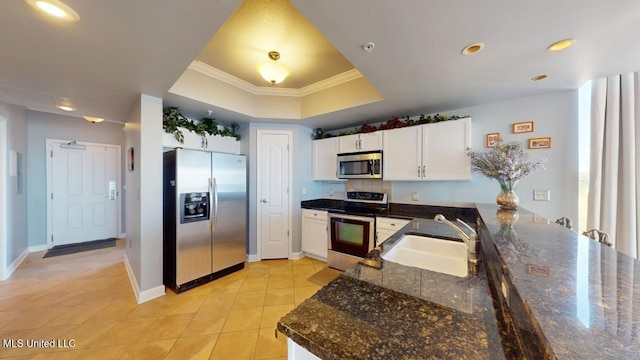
<point x="352" y="232"/>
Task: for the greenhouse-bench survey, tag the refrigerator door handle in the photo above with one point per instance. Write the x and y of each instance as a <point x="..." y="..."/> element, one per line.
<point x="209" y="199"/>
<point x="215" y="199"/>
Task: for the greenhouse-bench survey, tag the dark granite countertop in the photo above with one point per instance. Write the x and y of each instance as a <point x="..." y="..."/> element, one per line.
<point x="574" y="297"/>
<point x="542" y="291"/>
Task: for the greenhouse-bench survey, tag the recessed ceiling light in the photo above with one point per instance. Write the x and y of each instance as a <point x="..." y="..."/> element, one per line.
<point x="539" y="77"/>
<point x="560" y="45"/>
<point x="64" y="103"/>
<point x="472" y="49"/>
<point x="56" y="9"/>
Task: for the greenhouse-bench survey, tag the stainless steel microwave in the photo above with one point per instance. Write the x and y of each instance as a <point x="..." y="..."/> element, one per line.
<point x="367" y="165"/>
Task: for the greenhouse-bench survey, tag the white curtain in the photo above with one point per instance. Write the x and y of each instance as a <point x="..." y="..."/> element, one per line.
<point x="614" y="184"/>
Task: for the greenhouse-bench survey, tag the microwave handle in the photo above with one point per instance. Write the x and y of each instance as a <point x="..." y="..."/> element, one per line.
<point x="371" y="167"/>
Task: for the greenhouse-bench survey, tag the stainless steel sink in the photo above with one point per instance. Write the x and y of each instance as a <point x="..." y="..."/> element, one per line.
<point x="439" y="255"/>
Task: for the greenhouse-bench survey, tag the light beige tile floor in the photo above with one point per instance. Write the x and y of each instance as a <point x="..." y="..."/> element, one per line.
<point x="86" y="300"/>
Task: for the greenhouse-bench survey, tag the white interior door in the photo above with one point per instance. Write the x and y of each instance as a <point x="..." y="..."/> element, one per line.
<point x="83" y="193"/>
<point x="274" y="178"/>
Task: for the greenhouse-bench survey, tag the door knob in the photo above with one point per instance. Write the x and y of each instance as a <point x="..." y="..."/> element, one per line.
<point x="264" y="201"/>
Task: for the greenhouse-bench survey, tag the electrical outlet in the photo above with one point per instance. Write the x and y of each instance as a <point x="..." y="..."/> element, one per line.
<point x="304" y="191"/>
<point x="541" y="195"/>
<point x="415" y="196"/>
<point x="330" y="192"/>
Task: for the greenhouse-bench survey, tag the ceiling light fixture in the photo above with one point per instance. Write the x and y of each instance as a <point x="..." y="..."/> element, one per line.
<point x="560" y="45"/>
<point x="64" y="103"/>
<point x="273" y="71"/>
<point x="539" y="77"/>
<point x="56" y="9"/>
<point x="472" y="49"/>
<point x="93" y="119"/>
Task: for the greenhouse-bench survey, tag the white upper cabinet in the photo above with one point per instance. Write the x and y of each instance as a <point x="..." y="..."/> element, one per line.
<point x="428" y="152"/>
<point x="325" y="160"/>
<point x="402" y="154"/>
<point x="217" y="143"/>
<point x="360" y="142"/>
<point x="444" y="150"/>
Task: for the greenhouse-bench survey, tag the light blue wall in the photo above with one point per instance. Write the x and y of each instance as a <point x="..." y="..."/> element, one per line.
<point x="16" y="211"/>
<point x="42" y="126"/>
<point x="554" y="115"/>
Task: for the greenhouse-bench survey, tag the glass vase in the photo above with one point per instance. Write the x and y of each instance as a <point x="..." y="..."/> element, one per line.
<point x="507" y="198"/>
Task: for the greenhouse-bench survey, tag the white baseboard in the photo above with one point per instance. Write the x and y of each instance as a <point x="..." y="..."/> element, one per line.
<point x="151" y="294"/>
<point x="14" y="265"/>
<point x="313" y="256"/>
<point x="296" y="255"/>
<point x="253" y="257"/>
<point x="146" y="295"/>
<point x="36" y="248"/>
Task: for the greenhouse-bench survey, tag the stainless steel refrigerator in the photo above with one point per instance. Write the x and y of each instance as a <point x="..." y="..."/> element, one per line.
<point x="204" y="221"/>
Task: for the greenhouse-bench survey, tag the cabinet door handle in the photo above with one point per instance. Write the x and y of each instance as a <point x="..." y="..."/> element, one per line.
<point x="424" y="171"/>
<point x="419" y="171"/>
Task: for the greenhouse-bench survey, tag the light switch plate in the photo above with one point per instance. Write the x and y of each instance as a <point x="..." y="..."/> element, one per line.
<point x="415" y="196"/>
<point x="541" y="195"/>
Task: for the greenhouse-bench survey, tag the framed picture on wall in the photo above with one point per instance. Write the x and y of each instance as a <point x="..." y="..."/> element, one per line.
<point x="540" y="143"/>
<point x="523" y="127"/>
<point x="492" y="139"/>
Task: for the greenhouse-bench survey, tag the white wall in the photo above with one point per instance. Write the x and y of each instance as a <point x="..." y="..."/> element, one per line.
<point x="301" y="154"/>
<point x="554" y="115"/>
<point x="144" y="203"/>
<point x="42" y="126"/>
<point x="15" y="221"/>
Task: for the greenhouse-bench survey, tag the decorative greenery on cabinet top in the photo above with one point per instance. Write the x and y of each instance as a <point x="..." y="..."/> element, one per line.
<point x="173" y="120"/>
<point x="393" y="123"/>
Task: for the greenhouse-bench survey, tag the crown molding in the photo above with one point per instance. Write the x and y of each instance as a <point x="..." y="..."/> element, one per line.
<point x="220" y="75"/>
<point x="328" y="83"/>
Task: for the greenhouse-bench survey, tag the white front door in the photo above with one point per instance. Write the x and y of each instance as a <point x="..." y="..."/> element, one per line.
<point x="274" y="177"/>
<point x="83" y="194"/>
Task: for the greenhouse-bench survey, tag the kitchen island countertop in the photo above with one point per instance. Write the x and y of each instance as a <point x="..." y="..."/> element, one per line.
<point x="542" y="291"/>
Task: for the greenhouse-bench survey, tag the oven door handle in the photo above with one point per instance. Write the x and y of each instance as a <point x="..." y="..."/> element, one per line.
<point x="370" y="219"/>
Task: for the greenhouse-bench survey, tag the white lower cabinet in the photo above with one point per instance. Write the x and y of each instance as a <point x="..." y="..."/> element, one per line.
<point x="297" y="352"/>
<point x="385" y="227"/>
<point x="314" y="233"/>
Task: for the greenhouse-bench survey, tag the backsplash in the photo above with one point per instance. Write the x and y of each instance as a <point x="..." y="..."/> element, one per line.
<point x="374" y="185"/>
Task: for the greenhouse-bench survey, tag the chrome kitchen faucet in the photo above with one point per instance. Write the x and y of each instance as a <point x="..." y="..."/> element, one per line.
<point x="470" y="240"/>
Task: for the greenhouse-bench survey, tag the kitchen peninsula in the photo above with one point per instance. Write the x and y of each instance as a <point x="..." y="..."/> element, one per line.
<point x="541" y="291"/>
